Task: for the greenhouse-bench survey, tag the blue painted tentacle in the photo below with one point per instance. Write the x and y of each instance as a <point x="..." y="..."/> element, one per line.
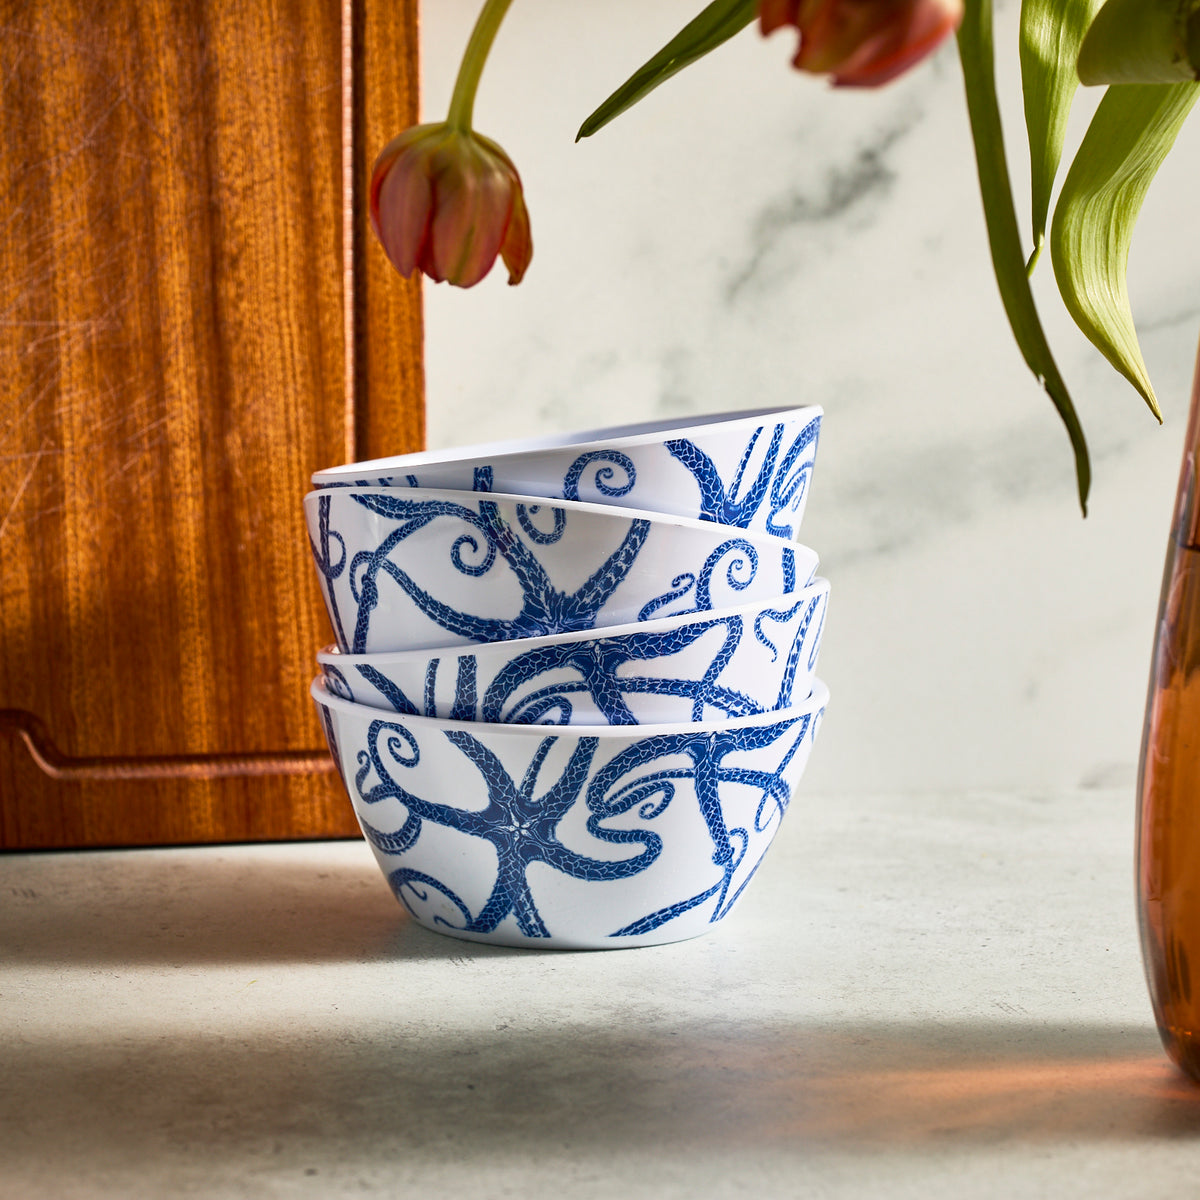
<point x="465" y="691"/>
<point x="602" y="480"/>
<point x="406" y="878"/>
<point x="397" y="841"/>
<point x="536" y="707"/>
<point x="718" y="502"/>
<point x="741" y="510"/>
<point x="326" y="567"/>
<point x="773" y="614"/>
<point x="642" y="752"/>
<point x="791" y="480"/>
<point x="705" y="473"/>
<point x="530" y="573"/>
<point x="529" y="779"/>
<point x="656" y="920"/>
<point x="578" y="866"/>
<point x="727" y="701"/>
<point x="363" y="579"/>
<point x="388" y="689"/>
<point x="510" y="895"/>
<point x="748" y="563"/>
<point x="431" y="672"/>
<point x="650" y="794"/>
<point x="513" y="674"/>
<point x="708" y="681"/>
<point x="336" y="682"/>
<point x="788" y="682"/>
<point x="595" y="593"/>
<point x="680" y="586"/>
<point x="706" y="756"/>
<point x="331" y="740"/>
<point x="541" y="537"/>
<point x="475" y="629"/>
<point x="414" y="510"/>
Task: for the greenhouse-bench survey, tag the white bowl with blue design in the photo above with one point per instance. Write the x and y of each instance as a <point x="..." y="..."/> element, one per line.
<point x="405" y="569"/>
<point x="700" y="667"/>
<point x="750" y="469"/>
<point x="571" y="837"/>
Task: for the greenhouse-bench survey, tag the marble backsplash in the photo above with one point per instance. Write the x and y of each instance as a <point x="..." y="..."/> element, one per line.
<point x="747" y="236"/>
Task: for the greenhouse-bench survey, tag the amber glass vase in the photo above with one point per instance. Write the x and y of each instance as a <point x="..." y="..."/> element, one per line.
<point x="1168" y="826"/>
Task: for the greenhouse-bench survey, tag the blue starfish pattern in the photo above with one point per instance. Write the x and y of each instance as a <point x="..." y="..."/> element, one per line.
<point x="520" y="824"/>
<point x="741" y="565"/>
<point x="598" y="664"/>
<point x="784" y="479"/>
<point x="707" y="773"/>
<point x="489" y="538"/>
<point x="521" y="821"/>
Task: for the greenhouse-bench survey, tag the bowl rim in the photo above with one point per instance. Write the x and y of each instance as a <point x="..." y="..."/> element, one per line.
<point x="607" y="512"/>
<point x="333" y="656"/>
<point x="582" y="440"/>
<point x="816" y="702"/>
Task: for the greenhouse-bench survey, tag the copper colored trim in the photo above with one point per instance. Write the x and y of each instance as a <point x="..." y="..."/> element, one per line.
<point x="33" y="732"/>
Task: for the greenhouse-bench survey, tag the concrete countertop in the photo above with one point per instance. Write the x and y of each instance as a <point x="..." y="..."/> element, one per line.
<point x="919" y="996"/>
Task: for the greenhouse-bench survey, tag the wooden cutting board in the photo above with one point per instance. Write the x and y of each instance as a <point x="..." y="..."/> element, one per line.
<point x="193" y="318"/>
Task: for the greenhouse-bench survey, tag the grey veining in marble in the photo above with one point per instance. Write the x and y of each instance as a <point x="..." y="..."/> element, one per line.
<point x="747" y="236"/>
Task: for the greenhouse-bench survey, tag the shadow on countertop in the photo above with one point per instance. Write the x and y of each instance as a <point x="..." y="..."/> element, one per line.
<point x="393" y="1101"/>
<point x="230" y="905"/>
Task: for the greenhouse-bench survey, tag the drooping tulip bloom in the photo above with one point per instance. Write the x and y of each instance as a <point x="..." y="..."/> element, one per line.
<point x="862" y="43"/>
<point x="446" y="201"/>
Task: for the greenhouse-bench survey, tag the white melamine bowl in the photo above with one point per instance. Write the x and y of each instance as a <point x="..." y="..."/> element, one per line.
<point x="697" y="667"/>
<point x="747" y="469"/>
<point x="404" y="569"/>
<point x="580" y="837"/>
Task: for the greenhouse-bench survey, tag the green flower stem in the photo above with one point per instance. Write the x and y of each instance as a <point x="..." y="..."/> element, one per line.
<point x="462" y="102"/>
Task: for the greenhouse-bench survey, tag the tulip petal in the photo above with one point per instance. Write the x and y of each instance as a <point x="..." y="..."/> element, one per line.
<point x="836" y="34"/>
<point x="474" y="201"/>
<point x="401" y="197"/>
<point x="517" y="248"/>
<point x="447" y="201"/>
<point x="903" y="36"/>
<point x="775" y="14"/>
<point x="405" y="210"/>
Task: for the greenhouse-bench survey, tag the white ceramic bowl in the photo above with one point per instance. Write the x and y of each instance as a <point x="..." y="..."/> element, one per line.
<point x="404" y="568"/>
<point x="571" y="838"/>
<point x="748" y="469"/>
<point x="698" y="667"/>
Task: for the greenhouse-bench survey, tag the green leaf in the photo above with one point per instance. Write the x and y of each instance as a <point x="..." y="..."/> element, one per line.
<point x="712" y="28"/>
<point x="976" y="51"/>
<point x="1131" y="133"/>
<point x="1051" y="33"/>
<point x="1143" y="41"/>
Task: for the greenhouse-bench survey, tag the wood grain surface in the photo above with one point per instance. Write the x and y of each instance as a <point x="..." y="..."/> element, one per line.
<point x="193" y="318"/>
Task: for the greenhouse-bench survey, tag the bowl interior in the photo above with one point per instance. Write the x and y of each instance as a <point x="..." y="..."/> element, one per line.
<point x="613" y="436"/>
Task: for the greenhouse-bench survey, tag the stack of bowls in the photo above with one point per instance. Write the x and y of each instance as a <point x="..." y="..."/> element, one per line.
<point x="573" y="688"/>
